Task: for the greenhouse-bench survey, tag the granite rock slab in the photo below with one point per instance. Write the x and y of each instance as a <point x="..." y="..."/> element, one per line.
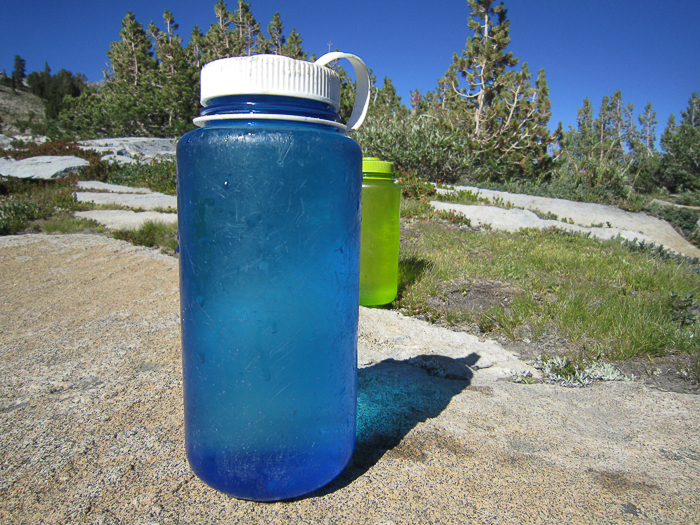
<point x="140" y="198"/>
<point x="599" y="220"/>
<point x="47" y="167"/>
<point x="126" y="219"/>
<point x="132" y="149"/>
<point x="147" y="201"/>
<point x="86" y="185"/>
<point x="91" y="421"/>
<point x="6" y="142"/>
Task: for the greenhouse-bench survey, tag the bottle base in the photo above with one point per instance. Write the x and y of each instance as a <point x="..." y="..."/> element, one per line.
<point x="268" y="477"/>
<point x="377" y="299"/>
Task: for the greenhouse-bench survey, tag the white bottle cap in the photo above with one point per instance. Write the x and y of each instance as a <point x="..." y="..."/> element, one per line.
<point x="269" y="75"/>
<point x="284" y="76"/>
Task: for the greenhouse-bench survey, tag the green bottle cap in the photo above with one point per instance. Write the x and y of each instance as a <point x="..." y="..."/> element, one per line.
<point x="372" y="166"/>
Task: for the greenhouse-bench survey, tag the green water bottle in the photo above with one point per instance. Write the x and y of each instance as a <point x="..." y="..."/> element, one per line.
<point x="379" y="245"/>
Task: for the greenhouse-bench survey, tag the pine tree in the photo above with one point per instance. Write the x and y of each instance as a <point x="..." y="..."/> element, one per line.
<point x="613" y="128"/>
<point x="275" y="44"/>
<point x="19" y="73"/>
<point x="219" y="41"/>
<point x="248" y="37"/>
<point x="63" y="84"/>
<point x="647" y="133"/>
<point x="609" y="137"/>
<point x="131" y="59"/>
<point x="176" y="80"/>
<point x="669" y="132"/>
<point x="584" y="117"/>
<point x="384" y="102"/>
<point x="623" y="125"/>
<point x="647" y="163"/>
<point x="292" y="46"/>
<point x="54" y="88"/>
<point x="682" y="149"/>
<point x="152" y="85"/>
<point x="38" y="82"/>
<point x="195" y="48"/>
<point x="168" y="46"/>
<point x="130" y="103"/>
<point x="502" y="114"/>
<point x="580" y="143"/>
<point x="484" y="62"/>
<point x="130" y="96"/>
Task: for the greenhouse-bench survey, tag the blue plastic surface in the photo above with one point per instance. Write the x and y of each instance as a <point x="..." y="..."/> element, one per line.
<point x="269" y="233"/>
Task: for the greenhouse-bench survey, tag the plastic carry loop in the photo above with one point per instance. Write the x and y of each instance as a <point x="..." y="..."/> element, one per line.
<point x="361" y="105"/>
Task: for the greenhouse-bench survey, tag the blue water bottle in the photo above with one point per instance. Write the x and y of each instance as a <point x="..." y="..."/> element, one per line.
<point x="269" y="191"/>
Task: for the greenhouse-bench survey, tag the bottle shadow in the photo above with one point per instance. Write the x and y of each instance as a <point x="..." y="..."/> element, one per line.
<point x="411" y="269"/>
<point x="392" y="398"/>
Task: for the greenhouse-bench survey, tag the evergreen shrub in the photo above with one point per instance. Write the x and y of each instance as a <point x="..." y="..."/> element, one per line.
<point x="417" y="143"/>
<point x="160" y="176"/>
<point x="413" y="187"/>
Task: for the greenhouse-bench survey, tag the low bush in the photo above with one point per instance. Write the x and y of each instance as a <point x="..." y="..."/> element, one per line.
<point x="160" y="176"/>
<point x="23" y="201"/>
<point x="152" y="234"/>
<point x="414" y="187"/>
<point x="418" y="143"/>
<point x="688" y="198"/>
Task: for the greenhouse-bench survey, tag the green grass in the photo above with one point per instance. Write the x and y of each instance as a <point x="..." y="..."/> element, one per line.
<point x="465" y="197"/>
<point x="24" y="201"/>
<point x="607" y="295"/>
<point x="66" y="223"/>
<point x="152" y="234"/>
<point x="159" y="176"/>
<point x="421" y="209"/>
<point x="596" y="294"/>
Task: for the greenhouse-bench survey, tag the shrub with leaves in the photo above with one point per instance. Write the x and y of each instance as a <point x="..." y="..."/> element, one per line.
<point x="414" y="187"/>
<point x="23" y="201"/>
<point x="688" y="198"/>
<point x="686" y="310"/>
<point x="151" y="234"/>
<point x="418" y="143"/>
<point x="158" y="176"/>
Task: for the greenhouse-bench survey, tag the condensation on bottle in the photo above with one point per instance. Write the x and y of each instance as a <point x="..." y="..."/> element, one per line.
<point x="269" y="191"/>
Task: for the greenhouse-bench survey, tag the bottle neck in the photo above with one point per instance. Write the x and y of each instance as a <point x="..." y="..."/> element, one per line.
<point x="268" y="107"/>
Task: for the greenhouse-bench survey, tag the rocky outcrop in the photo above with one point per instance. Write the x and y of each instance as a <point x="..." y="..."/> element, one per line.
<point x="126" y="219"/>
<point x="46" y="167"/>
<point x="132" y="149"/>
<point x="120" y="150"/>
<point x="138" y="198"/>
<point x="147" y="201"/>
<point x="6" y="142"/>
<point x="599" y="220"/>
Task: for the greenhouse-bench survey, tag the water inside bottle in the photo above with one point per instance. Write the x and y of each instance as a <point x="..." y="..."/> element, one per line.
<point x="269" y="286"/>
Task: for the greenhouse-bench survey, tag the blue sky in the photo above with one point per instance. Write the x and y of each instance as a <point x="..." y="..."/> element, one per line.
<point x="588" y="48"/>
